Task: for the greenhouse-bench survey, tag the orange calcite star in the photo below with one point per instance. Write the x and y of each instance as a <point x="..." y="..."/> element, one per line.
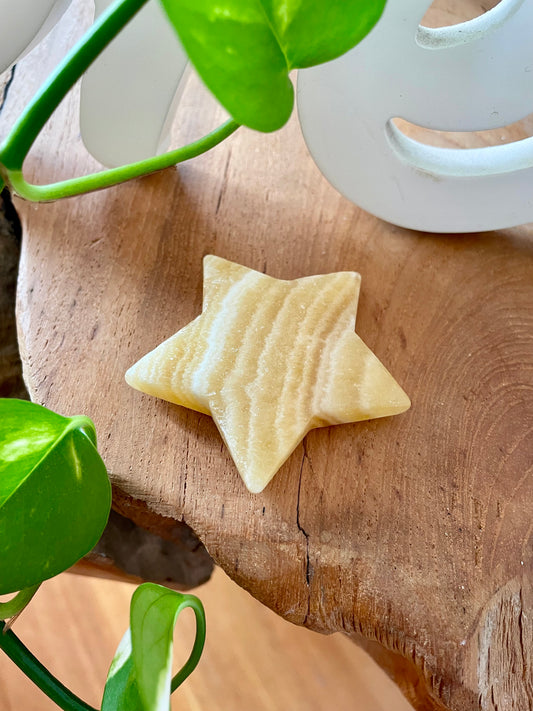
<point x="270" y="360"/>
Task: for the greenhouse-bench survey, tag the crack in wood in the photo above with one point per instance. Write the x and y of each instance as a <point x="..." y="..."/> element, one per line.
<point x="504" y="642"/>
<point x="7" y="87"/>
<point x="308" y="566"/>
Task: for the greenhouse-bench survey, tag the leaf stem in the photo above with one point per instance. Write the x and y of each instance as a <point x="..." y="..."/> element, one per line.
<point x="196" y="653"/>
<point x="85" y="424"/>
<point x="39" y="674"/>
<point x="113" y="176"/>
<point x="18" y="603"/>
<point x="20" y="139"/>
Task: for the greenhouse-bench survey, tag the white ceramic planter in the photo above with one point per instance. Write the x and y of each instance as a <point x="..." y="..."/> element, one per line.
<point x="24" y="24"/>
<point x="130" y="93"/>
<point x="473" y="76"/>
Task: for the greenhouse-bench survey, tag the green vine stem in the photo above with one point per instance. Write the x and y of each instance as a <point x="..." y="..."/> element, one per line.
<point x="199" y="641"/>
<point x="14" y="607"/>
<point x="85" y="425"/>
<point x="40" y="676"/>
<point x="19" y="141"/>
<point x="114" y="176"/>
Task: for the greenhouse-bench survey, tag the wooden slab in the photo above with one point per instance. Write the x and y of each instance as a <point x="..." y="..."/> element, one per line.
<point x="411" y="534"/>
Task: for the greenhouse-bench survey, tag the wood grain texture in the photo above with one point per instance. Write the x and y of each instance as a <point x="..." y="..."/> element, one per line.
<point x="411" y="534"/>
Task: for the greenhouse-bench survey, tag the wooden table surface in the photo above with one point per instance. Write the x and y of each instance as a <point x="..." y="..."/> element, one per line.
<point x="411" y="534"/>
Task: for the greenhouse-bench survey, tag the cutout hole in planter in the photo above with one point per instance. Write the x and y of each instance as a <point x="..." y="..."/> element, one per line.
<point x="461" y="154"/>
<point x="466" y="139"/>
<point x="444" y="13"/>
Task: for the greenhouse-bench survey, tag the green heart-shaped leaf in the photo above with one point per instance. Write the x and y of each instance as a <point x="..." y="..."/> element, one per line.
<point x="236" y="53"/>
<point x="55" y="494"/>
<point x="139" y="678"/>
<point x="245" y="49"/>
<point x="311" y="32"/>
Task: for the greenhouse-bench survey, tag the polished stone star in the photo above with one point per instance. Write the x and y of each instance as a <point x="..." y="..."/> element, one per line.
<point x="270" y="360"/>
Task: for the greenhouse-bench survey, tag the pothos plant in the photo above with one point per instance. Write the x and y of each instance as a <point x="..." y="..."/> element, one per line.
<point x="55" y="498"/>
<point x="55" y="494"/>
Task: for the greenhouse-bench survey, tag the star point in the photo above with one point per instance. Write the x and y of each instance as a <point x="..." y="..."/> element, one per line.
<point x="269" y="360"/>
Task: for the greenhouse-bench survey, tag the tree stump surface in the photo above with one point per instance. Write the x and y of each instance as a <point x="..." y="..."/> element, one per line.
<point x="410" y="534"/>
